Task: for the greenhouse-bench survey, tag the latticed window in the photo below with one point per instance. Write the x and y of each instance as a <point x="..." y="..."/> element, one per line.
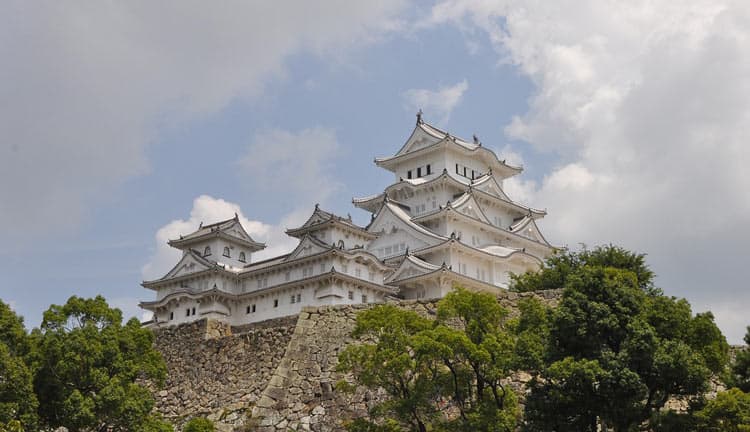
<point x="226" y="251"/>
<point x="242" y="257"/>
<point x="207" y="251"/>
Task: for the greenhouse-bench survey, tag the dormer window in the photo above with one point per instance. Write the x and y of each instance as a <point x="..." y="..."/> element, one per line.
<point x="242" y="257"/>
<point x="226" y="251"/>
<point x="207" y="251"/>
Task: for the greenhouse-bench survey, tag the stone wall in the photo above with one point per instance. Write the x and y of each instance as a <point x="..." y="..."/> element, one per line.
<point x="218" y="371"/>
<point x="273" y="376"/>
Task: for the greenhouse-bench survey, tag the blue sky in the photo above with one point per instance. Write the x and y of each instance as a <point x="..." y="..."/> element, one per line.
<point x="122" y="129"/>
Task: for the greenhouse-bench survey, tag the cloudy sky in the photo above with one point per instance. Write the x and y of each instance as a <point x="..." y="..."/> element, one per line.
<point x="124" y="124"/>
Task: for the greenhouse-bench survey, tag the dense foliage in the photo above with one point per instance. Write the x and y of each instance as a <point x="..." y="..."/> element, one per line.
<point x="18" y="403"/>
<point x="80" y="369"/>
<point x="617" y="348"/>
<point x="456" y="362"/>
<point x="607" y="358"/>
<point x="199" y="424"/>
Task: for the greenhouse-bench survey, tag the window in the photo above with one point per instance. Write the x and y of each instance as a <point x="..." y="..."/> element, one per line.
<point x="275" y="302"/>
<point x="247" y="310"/>
<point x="364" y="298"/>
<point x="207" y="251"/>
<point x="187" y="312"/>
<point x="242" y="257"/>
<point x="252" y="309"/>
<point x="408" y="174"/>
<point x="464" y="171"/>
<point x="171" y="316"/>
<point x="287" y="276"/>
<point x="371" y="276"/>
<point x="472" y="174"/>
<point x="419" y="172"/>
<point x="457" y="169"/>
<point x="322" y="268"/>
<point x="260" y="281"/>
<point x="299" y="298"/>
<point x="358" y="272"/>
<point x="292" y="298"/>
<point x="193" y="311"/>
<point x="429" y="170"/>
<point x="226" y="252"/>
<point x="351" y="295"/>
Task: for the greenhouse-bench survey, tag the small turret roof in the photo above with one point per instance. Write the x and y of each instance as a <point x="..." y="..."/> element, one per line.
<point x="321" y="219"/>
<point x="230" y="229"/>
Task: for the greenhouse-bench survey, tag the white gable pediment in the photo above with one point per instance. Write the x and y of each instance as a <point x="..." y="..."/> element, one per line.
<point x="419" y="139"/>
<point x="188" y="264"/>
<point x="490" y="186"/>
<point x="306" y="247"/>
<point x="529" y="229"/>
<point x="411" y="267"/>
<point x="469" y="206"/>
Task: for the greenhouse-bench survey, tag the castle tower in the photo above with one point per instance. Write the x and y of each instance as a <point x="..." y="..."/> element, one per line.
<point x="447" y="220"/>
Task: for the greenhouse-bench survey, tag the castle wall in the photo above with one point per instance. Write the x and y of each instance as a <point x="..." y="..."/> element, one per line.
<point x="277" y="375"/>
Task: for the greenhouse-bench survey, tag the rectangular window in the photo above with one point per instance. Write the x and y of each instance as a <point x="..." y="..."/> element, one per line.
<point x="472" y="174"/>
<point x="171" y="316"/>
<point x="287" y="276"/>
<point x="371" y="276"/>
<point x="358" y="272"/>
<point x="253" y="309"/>
<point x="304" y="272"/>
<point x="187" y="313"/>
<point x="193" y="311"/>
<point x="322" y="267"/>
<point x="457" y="169"/>
<point x="299" y="298"/>
<point x="275" y="302"/>
<point x="291" y="299"/>
<point x="247" y="310"/>
<point x="364" y="298"/>
<point x="408" y="174"/>
<point x="464" y="171"/>
<point x="429" y="169"/>
<point x="419" y="172"/>
<point x="259" y="282"/>
<point x="351" y="295"/>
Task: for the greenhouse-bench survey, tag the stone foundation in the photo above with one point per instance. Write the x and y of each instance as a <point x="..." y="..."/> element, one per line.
<point x="277" y="375"/>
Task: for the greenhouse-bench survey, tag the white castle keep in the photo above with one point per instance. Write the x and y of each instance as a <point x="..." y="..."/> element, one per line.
<point x="446" y="221"/>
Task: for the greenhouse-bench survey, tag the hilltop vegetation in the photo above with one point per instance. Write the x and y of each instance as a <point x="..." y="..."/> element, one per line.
<point x="609" y="357"/>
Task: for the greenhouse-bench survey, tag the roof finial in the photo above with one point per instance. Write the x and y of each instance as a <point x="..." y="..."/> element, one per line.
<point x="476" y="139"/>
<point x="236" y="216"/>
<point x="317" y="206"/>
<point x="349" y="216"/>
<point x="200" y="225"/>
<point x="419" y="116"/>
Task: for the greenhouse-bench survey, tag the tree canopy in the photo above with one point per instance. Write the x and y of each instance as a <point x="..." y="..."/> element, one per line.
<point x="87" y="364"/>
<point x="457" y="362"/>
<point x="18" y="403"/>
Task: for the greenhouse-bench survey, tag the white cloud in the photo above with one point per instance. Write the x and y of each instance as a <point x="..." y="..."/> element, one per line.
<point x="440" y="102"/>
<point x="86" y="86"/>
<point x="296" y="166"/>
<point x="648" y="106"/>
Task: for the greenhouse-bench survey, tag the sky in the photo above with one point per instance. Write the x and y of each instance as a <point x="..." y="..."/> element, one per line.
<point x="125" y="124"/>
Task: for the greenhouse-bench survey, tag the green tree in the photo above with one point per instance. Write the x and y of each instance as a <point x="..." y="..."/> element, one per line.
<point x="87" y="366"/>
<point x="740" y="372"/>
<point x="617" y="352"/>
<point x="18" y="403"/>
<point x="199" y="424"/>
<point x="728" y="412"/>
<point x="558" y="267"/>
<point x="455" y="363"/>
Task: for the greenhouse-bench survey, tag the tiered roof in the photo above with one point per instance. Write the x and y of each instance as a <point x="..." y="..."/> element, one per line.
<point x="321" y="219"/>
<point x="230" y="229"/>
<point x="426" y="138"/>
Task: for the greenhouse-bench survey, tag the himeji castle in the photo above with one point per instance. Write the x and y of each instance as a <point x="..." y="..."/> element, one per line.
<point x="445" y="221"/>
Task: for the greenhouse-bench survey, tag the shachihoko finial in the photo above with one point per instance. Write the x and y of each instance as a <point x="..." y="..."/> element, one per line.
<point x="419" y="116"/>
<point x="476" y="139"/>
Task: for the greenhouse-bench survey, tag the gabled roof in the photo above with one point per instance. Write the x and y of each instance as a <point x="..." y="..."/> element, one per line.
<point x="230" y="229"/>
<point x="445" y="210"/>
<point x="410" y="267"/>
<point x="496" y="251"/>
<point x="189" y="257"/>
<point x="309" y="245"/>
<point x="468" y="205"/>
<point x="485" y="184"/>
<point x="320" y="219"/>
<point x="426" y="138"/>
<point x="528" y="228"/>
<point x="390" y="208"/>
